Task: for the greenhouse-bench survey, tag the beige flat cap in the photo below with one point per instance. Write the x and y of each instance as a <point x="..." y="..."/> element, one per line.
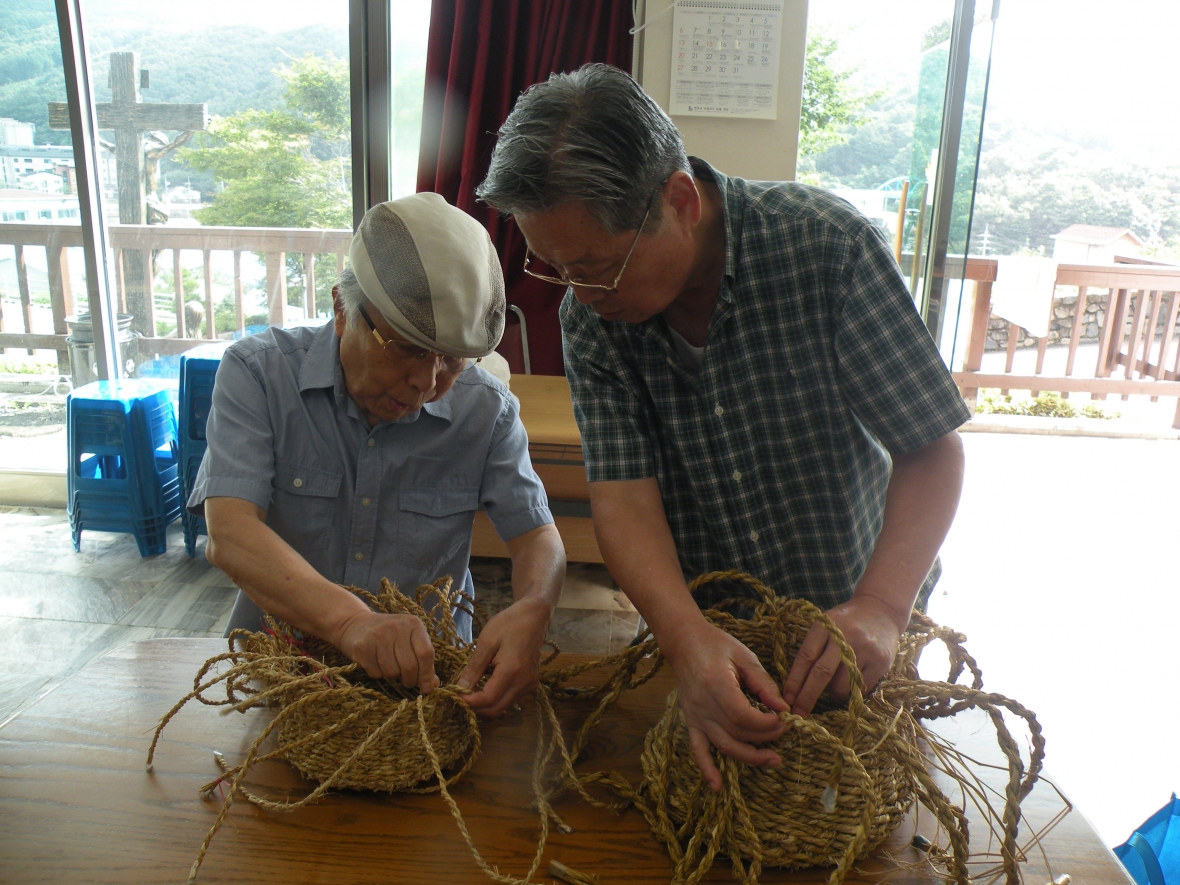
<point x="433" y="273"/>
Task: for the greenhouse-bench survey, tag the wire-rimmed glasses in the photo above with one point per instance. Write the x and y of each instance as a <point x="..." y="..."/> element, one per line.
<point x="613" y="287"/>
<point x="412" y="352"/>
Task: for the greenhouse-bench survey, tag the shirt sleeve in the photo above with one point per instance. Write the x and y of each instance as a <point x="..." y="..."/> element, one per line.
<point x="612" y="417"/>
<point x="512" y="493"/>
<point x="239" y="460"/>
<point x="890" y="371"/>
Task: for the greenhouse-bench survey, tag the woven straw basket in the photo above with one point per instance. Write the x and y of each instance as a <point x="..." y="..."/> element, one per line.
<point x="357" y="731"/>
<point x="786" y="821"/>
<point x="850" y="772"/>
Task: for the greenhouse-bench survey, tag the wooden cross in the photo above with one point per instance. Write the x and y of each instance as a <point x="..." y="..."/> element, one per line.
<point x="129" y="118"/>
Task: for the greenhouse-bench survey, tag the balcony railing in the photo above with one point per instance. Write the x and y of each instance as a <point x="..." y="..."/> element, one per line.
<point x="272" y="243"/>
<point x="1135" y="298"/>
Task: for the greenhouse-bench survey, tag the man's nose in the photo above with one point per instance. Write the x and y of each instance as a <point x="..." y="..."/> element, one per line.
<point x="424" y="372"/>
<point x="587" y="296"/>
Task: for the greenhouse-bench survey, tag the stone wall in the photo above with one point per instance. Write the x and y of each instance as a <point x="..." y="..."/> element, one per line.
<point x="1061" y="327"/>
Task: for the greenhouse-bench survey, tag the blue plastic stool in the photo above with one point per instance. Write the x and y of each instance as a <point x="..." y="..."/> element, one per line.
<point x="1152" y="854"/>
<point x="123" y="461"/>
<point x="198" y="369"/>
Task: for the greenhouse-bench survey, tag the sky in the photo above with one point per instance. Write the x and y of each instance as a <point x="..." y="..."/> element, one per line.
<point x="1076" y="68"/>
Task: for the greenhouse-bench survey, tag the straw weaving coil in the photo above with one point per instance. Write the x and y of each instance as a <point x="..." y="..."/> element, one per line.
<point x="344" y="729"/>
<point x="850" y="773"/>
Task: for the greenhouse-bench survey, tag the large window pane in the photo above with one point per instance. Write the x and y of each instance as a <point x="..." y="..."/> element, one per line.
<point x="410" y="31"/>
<point x="39" y="271"/>
<point x="872" y="112"/>
<point x="223" y="224"/>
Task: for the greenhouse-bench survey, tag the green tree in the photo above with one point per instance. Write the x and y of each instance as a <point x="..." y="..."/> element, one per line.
<point x="288" y="167"/>
<point x="831" y="105"/>
<point x="31" y="73"/>
<point x="1033" y="186"/>
<point x="878" y="150"/>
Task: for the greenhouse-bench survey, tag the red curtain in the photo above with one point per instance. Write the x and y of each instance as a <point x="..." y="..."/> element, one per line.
<point x="481" y="55"/>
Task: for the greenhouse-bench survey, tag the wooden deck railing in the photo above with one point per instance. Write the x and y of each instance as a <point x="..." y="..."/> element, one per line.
<point x="272" y="243"/>
<point x="1139" y="293"/>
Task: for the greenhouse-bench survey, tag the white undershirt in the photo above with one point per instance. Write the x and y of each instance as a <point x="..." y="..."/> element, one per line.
<point x="693" y="356"/>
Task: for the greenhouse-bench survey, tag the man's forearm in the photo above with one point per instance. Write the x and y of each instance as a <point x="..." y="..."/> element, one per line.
<point x="538" y="565"/>
<point x="272" y="573"/>
<point x="920" y="505"/>
<point x="637" y="546"/>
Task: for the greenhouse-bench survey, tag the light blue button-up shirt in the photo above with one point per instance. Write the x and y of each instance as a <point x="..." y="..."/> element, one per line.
<point x="360" y="503"/>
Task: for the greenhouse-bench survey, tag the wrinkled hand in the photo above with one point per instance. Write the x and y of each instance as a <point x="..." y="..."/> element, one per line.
<point x="711" y="667"/>
<point x="869" y="626"/>
<point x="510" y="643"/>
<point x="393" y="647"/>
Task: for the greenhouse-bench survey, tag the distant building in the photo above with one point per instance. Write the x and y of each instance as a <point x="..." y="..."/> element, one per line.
<point x="1091" y="244"/>
<point x="46" y="182"/>
<point x="18" y="161"/>
<point x="879" y="205"/>
<point x="16" y="132"/>
<point x="180" y="202"/>
<point x="32" y="206"/>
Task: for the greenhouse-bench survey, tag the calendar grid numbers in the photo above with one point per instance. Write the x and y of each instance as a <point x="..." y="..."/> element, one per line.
<point x="725" y="59"/>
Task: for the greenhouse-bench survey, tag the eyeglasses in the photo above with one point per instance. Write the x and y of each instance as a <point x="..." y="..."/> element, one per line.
<point x="613" y="287"/>
<point x="404" y="350"/>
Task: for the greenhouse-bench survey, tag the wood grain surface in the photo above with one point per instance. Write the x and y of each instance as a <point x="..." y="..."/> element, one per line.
<point x="546" y="409"/>
<point x="78" y="806"/>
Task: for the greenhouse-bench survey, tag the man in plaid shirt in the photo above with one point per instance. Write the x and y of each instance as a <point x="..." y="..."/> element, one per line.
<point x="754" y="389"/>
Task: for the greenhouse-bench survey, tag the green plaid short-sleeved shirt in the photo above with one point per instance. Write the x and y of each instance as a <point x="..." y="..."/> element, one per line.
<point x="773" y="457"/>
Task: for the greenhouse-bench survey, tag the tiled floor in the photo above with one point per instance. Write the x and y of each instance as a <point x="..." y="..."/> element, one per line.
<point x="59" y="610"/>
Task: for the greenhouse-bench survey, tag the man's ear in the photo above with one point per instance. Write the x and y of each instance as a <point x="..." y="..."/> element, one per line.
<point x="684" y="198"/>
<point x="339" y="317"/>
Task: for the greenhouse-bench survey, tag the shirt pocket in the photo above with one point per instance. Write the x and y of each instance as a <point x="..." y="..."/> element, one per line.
<point x="434" y="524"/>
<point x="303" y="507"/>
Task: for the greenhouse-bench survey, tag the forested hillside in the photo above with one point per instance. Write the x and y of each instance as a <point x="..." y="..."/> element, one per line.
<point x="231" y="68"/>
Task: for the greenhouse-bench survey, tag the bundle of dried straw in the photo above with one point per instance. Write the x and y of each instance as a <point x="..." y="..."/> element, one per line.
<point x="850" y="773"/>
<point x="345" y="729"/>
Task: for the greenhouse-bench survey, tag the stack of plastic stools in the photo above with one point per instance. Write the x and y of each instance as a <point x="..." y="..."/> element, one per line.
<point x="198" y="368"/>
<point x="123" y="472"/>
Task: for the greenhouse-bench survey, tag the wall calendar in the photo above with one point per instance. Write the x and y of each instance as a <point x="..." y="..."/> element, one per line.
<point x="725" y="58"/>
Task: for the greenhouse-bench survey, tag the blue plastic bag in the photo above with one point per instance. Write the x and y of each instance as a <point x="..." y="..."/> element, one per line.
<point x="1152" y="854"/>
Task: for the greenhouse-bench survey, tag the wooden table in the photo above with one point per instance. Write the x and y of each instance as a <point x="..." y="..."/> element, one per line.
<point x="78" y="805"/>
<point x="555" y="446"/>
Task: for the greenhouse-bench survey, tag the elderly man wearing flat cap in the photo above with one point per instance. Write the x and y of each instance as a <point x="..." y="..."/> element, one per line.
<point x="362" y="449"/>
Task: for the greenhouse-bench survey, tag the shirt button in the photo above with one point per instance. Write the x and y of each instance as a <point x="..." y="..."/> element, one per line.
<point x="718" y="411"/>
<point x="359" y="556"/>
<point x="737" y="475"/>
<point x="671" y="362"/>
<point x="372" y="442"/>
<point x="364" y="502"/>
<point x="753" y="537"/>
<point x="298" y="483"/>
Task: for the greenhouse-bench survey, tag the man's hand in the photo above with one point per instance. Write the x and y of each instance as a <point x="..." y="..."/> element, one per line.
<point x="393" y="647"/>
<point x="711" y="667"/>
<point x="869" y="626"/>
<point x="510" y="643"/>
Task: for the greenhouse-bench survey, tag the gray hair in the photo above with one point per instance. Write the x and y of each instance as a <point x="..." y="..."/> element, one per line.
<point x="592" y="137"/>
<point x="352" y="296"/>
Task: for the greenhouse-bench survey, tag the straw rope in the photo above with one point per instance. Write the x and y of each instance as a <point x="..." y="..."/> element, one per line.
<point x="344" y="729"/>
<point x="851" y="772"/>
